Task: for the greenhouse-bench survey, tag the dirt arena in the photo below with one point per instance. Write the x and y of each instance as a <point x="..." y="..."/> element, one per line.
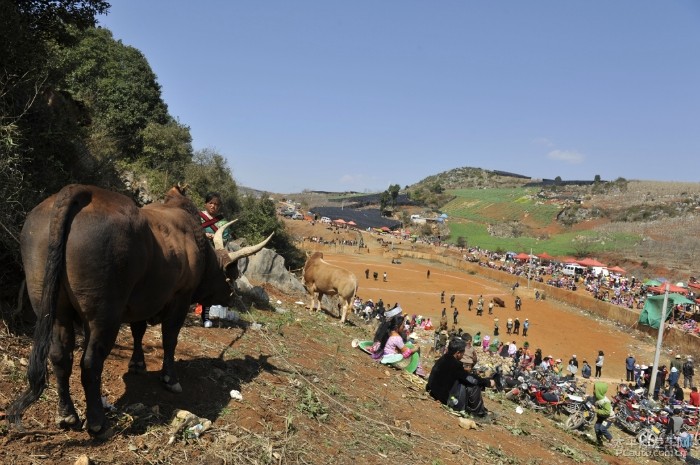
<point x="558" y="329"/>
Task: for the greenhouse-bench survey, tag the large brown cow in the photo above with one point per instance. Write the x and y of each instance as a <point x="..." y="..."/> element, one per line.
<point x="92" y="257"/>
<point x="321" y="278"/>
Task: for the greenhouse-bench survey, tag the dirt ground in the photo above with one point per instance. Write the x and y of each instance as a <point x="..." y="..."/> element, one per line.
<point x="557" y="329"/>
<point x="307" y="396"/>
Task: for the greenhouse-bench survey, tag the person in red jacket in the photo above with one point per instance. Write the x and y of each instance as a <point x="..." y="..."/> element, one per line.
<point x="694" y="397"/>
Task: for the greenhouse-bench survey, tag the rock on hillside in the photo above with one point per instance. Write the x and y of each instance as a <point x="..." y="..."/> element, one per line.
<point x="268" y="266"/>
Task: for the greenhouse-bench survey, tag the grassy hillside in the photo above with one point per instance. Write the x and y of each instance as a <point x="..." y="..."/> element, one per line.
<point x="500" y="204"/>
<point x="645" y="225"/>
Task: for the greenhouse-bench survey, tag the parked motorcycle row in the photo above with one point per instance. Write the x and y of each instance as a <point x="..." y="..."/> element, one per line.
<point x="656" y="426"/>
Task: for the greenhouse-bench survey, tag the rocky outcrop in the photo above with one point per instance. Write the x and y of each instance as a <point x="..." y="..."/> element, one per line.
<point x="267" y="266"/>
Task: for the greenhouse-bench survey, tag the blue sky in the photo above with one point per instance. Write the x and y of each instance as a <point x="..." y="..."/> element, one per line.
<point x="358" y="95"/>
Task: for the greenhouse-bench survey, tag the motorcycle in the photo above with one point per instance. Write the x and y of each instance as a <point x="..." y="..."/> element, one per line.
<point x="543" y="399"/>
<point x="583" y="418"/>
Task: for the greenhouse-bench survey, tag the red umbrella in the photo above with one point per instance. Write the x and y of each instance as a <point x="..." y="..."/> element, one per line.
<point x="339" y="221"/>
<point x="352" y="223"/>
<point x="617" y="269"/>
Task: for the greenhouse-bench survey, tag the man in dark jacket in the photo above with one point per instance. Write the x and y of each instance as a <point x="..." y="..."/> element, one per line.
<point x="453" y="383"/>
<point x="629" y="367"/>
<point x="688" y="373"/>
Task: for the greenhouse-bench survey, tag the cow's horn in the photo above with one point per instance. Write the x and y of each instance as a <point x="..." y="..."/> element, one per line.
<point x="219" y="235"/>
<point x="250" y="250"/>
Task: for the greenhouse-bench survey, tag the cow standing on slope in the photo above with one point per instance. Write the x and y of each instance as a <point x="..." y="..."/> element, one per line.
<point x="321" y="278"/>
<point x="93" y="258"/>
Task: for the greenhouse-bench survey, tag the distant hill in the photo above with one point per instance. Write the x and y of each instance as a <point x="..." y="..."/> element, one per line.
<point x="468" y="177"/>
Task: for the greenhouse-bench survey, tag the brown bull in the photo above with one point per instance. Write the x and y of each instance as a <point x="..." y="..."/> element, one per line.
<point x="498" y="301"/>
<point x="93" y="258"/>
<point x="321" y="278"/>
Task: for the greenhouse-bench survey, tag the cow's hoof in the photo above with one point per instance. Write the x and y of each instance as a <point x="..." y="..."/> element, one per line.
<point x="172" y="387"/>
<point x="138" y="368"/>
<point x="176" y="388"/>
<point x="100" y="432"/>
<point x="70" y="421"/>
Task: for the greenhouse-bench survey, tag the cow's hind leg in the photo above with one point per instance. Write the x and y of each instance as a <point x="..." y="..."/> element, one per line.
<point x="137" y="364"/>
<point x="61" y="357"/>
<point x="100" y="341"/>
<point x="344" y="311"/>
<point x="317" y="298"/>
<point x="171" y="329"/>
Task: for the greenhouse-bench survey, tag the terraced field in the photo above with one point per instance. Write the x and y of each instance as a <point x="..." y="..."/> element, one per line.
<point x="489" y="205"/>
<point x="533" y="221"/>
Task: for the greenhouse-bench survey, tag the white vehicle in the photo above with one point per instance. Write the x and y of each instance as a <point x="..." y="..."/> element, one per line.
<point x="297" y="216"/>
<point x="572" y="269"/>
<point x="325" y="219"/>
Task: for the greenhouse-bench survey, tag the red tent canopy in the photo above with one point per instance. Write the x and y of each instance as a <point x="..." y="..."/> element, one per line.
<point x="339" y="220"/>
<point x="522" y="256"/>
<point x="567" y="260"/>
<point x="352" y="223"/>
<point x="591" y="262"/>
<point x="617" y="269"/>
<point x="385" y="229"/>
<point x="694" y="285"/>
<point x="672" y="288"/>
<point x="545" y="256"/>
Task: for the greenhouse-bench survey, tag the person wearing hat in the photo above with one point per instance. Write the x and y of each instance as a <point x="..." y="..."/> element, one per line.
<point x="558" y="368"/>
<point x="441" y="344"/>
<point x="572" y="367"/>
<point x="452" y="382"/>
<point x="688" y="372"/>
<point x="676" y="363"/>
<point x="485" y="343"/>
<point x="637" y="374"/>
<point x="526" y="326"/>
<point x="509" y="326"/>
<point x="603" y="410"/>
<point x="673" y="378"/>
<point x="629" y="367"/>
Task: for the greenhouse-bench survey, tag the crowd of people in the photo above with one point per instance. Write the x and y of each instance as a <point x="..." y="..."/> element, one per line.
<point x="607" y="286"/>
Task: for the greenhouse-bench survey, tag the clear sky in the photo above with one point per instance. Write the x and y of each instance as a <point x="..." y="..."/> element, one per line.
<point x="358" y="95"/>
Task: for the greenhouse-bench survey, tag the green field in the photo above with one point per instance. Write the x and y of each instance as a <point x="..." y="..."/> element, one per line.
<point x="489" y="205"/>
<point x="473" y="209"/>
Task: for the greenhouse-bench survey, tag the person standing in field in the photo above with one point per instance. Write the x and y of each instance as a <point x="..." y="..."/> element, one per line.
<point x="600" y="359"/>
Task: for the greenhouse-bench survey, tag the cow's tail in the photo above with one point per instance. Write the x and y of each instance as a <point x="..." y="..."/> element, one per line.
<point x="68" y="202"/>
